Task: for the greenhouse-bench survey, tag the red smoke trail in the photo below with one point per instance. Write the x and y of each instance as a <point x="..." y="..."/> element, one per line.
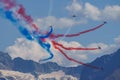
<point x="71" y="59"/>
<point x="71" y="48"/>
<point x="20" y="11"/>
<point x="27" y="18"/>
<point x="77" y="34"/>
<point x="9" y="3"/>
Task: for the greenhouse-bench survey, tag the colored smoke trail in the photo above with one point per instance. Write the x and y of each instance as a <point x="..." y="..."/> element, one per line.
<point x="72" y="48"/>
<point x="77" y="34"/>
<point x="79" y="62"/>
<point x="16" y="14"/>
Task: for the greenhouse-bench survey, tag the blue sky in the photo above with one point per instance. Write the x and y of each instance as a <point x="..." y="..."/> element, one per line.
<point x="90" y="13"/>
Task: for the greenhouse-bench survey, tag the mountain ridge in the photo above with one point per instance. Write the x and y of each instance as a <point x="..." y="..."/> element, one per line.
<point x="109" y="62"/>
<point x="29" y="66"/>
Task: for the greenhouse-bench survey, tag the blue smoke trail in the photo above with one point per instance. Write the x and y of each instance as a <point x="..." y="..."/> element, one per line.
<point x="10" y="16"/>
<point x="28" y="34"/>
<point x="48" y="34"/>
<point x="47" y="47"/>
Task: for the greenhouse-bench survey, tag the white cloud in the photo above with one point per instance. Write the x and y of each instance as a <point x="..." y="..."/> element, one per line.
<point x="84" y="11"/>
<point x="61" y="60"/>
<point x="29" y="50"/>
<point x="111" y="12"/>
<point x="74" y="7"/>
<point x="32" y="51"/>
<point x="105" y="48"/>
<point x="58" y="22"/>
<point x="117" y="40"/>
<point x="89" y="11"/>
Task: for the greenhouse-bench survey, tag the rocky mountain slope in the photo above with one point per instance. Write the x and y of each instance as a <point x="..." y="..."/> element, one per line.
<point x="29" y="66"/>
<point x="110" y="64"/>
